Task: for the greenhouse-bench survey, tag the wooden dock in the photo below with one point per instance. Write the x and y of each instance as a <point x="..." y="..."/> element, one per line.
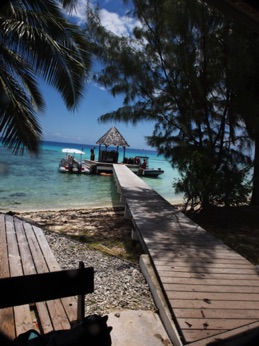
<point x="211" y="291"/>
<point x="97" y="167"/>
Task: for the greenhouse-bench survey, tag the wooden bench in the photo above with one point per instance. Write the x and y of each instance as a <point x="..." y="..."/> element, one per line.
<point x="35" y="293"/>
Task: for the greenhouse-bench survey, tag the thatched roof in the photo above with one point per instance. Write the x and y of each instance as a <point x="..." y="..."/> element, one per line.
<point x="113" y="137"/>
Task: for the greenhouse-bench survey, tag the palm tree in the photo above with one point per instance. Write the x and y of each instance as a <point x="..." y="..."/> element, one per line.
<point x="37" y="41"/>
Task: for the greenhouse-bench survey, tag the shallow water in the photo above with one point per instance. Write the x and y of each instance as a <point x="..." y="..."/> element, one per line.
<point x="27" y="183"/>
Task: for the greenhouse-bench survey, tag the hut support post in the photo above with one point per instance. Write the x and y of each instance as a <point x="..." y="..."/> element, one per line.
<point x="124" y="150"/>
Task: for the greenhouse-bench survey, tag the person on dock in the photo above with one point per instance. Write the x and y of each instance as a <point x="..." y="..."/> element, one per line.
<point x="144" y="164"/>
<point x="92" y="157"/>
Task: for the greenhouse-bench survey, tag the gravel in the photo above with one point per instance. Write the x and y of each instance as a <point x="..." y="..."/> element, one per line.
<point x="117" y="284"/>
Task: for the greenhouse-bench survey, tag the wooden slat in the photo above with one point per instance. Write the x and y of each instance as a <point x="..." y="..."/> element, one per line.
<point x="194" y="335"/>
<point x="213" y="296"/>
<point x="182" y="276"/>
<point x="13" y="250"/>
<point x="216" y="313"/>
<point x="178" y="252"/>
<point x="4" y="267"/>
<point x="55" y="307"/>
<point x="49" y="257"/>
<point x="6" y="315"/>
<point x="169" y="271"/>
<point x="22" y="314"/>
<point x="213" y="288"/>
<point x="69" y="303"/>
<point x="29" y="268"/>
<point x="237" y="337"/>
<point x="214" y="304"/>
<point x="210" y="279"/>
<point x="35" y="249"/>
<point x="237" y="263"/>
<point x="212" y="323"/>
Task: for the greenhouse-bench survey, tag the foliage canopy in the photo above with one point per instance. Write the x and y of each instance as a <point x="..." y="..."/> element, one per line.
<point x="176" y="70"/>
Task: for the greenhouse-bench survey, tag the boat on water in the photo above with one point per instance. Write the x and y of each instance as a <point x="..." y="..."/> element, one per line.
<point x="144" y="169"/>
<point x="70" y="164"/>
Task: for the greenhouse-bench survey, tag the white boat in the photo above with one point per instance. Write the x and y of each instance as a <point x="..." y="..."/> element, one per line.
<point x="144" y="169"/>
<point x="69" y="164"/>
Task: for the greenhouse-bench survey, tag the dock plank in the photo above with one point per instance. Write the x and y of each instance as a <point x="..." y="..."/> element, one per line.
<point x="212" y="323"/>
<point x="214" y="304"/>
<point x="211" y="290"/>
<point x="214" y="313"/>
<point x="193" y="279"/>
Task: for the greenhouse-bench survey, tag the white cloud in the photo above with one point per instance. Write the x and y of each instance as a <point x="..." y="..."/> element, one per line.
<point x="121" y="25"/>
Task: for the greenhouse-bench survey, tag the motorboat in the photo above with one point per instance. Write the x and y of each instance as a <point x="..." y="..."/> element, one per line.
<point x="69" y="164"/>
<point x="144" y="169"/>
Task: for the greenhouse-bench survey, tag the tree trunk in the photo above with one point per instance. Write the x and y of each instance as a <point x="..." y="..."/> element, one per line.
<point x="255" y="192"/>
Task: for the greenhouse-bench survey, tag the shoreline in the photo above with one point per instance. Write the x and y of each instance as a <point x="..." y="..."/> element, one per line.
<point x="72" y="206"/>
<point x="61" y="209"/>
<point x="174" y="202"/>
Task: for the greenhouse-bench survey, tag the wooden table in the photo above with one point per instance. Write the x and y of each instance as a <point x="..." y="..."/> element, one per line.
<point x="24" y="250"/>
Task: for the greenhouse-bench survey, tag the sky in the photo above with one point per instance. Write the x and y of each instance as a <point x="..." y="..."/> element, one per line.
<point x="82" y="126"/>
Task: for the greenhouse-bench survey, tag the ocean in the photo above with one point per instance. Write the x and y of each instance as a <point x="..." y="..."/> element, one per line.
<point x="29" y="183"/>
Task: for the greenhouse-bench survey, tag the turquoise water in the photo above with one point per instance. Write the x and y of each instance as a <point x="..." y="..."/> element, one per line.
<point x="27" y="183"/>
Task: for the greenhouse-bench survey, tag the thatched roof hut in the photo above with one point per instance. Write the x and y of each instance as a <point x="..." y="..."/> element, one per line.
<point x="111" y="138"/>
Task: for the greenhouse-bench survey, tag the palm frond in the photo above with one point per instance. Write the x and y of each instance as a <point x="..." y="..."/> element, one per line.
<point x="19" y="127"/>
<point x="36" y="40"/>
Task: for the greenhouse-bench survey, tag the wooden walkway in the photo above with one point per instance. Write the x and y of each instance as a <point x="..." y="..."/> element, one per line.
<point x="212" y="292"/>
<point x="24" y="250"/>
